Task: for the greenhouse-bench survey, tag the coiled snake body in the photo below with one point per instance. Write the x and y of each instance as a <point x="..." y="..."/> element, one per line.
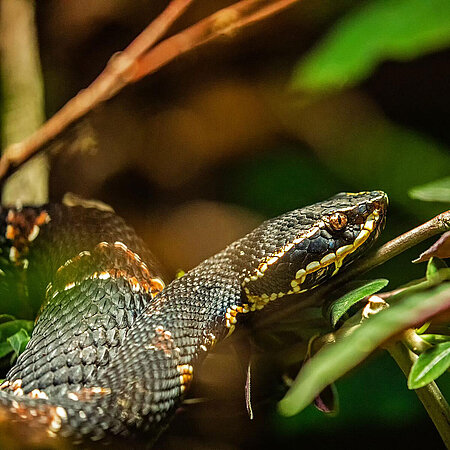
<point x="113" y="349"/>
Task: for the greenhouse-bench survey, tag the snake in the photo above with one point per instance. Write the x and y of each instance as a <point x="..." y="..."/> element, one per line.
<point x="114" y="349"/>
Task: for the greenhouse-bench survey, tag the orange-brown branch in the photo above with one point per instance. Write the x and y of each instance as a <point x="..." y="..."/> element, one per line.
<point x="139" y="59"/>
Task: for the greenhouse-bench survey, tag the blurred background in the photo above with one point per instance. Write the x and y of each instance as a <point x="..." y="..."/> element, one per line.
<point x="327" y="96"/>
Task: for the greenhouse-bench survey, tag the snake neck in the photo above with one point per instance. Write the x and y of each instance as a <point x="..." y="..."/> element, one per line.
<point x="159" y="355"/>
<point x="192" y="314"/>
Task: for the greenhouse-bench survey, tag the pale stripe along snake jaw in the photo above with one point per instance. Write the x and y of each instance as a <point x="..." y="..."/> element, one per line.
<point x="338" y="231"/>
<point x="113" y="351"/>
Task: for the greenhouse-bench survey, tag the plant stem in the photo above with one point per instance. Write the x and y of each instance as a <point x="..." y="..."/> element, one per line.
<point x="141" y="58"/>
<point x="430" y="395"/>
<point x="23" y="97"/>
<point x="414" y="342"/>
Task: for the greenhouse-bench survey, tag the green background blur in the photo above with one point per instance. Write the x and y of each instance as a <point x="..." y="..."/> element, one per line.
<point x="328" y="96"/>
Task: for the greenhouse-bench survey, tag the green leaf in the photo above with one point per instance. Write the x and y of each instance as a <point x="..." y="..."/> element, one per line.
<point x="436" y="191"/>
<point x="5" y="348"/>
<point x="434" y="266"/>
<point x="18" y="341"/>
<point x="429" y="365"/>
<point x="344" y="303"/>
<point x="334" y="360"/>
<point x="13" y="334"/>
<point x="423" y="328"/>
<point x="435" y="338"/>
<point x="6" y="318"/>
<point x="7" y="329"/>
<point x="377" y="31"/>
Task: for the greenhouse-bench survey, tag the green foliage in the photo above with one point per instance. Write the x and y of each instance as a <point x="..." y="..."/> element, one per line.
<point x="343" y="304"/>
<point x="437" y="191"/>
<point x="6" y="318"/>
<point x="417" y="305"/>
<point x="435" y="361"/>
<point x="430" y="365"/>
<point x="5" y="348"/>
<point x="378" y="31"/>
<point x="434" y="267"/>
<point x="14" y="335"/>
<point x="435" y="338"/>
<point x="180" y="273"/>
<point x="18" y="341"/>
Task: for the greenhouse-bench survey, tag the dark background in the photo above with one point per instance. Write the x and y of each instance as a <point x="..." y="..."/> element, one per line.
<point x="200" y="152"/>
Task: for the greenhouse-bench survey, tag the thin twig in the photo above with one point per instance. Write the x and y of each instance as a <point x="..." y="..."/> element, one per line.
<point x="137" y="61"/>
<point x="224" y="22"/>
<point x="430" y="395"/>
<point x="438" y="224"/>
<point x="156" y="29"/>
<point x="106" y="85"/>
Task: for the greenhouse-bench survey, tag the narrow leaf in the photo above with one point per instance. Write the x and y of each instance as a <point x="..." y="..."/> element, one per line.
<point x="429" y="365"/>
<point x="335" y="360"/>
<point x="435" y="338"/>
<point x="436" y="191"/>
<point x="11" y="327"/>
<point x="344" y="303"/>
<point x="423" y="328"/>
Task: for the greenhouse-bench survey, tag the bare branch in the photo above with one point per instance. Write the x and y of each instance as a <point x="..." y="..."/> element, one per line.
<point x="106" y="85"/>
<point x="225" y="22"/>
<point x="156" y="29"/>
<point x="137" y="61"/>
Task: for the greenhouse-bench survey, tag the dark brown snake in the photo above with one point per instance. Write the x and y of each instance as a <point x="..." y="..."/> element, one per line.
<point x="114" y="350"/>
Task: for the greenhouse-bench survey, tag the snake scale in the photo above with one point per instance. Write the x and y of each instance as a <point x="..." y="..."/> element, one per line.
<point x="114" y="350"/>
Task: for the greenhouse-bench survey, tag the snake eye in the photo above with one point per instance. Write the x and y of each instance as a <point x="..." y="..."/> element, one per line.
<point x="338" y="221"/>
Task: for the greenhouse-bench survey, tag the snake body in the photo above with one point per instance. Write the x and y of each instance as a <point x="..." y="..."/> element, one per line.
<point x="114" y="350"/>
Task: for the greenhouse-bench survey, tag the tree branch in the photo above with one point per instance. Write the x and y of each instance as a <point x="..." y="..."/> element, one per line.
<point x="137" y="61"/>
<point x="437" y="225"/>
<point x="227" y="21"/>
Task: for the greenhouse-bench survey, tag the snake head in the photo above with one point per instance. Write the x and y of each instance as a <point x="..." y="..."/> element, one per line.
<point x="313" y="244"/>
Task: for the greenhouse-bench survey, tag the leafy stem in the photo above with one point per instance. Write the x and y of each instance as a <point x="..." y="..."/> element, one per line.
<point x="430" y="395"/>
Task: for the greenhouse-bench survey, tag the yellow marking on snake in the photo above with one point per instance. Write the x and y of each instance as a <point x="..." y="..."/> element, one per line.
<point x="186" y="372"/>
<point x="257" y="302"/>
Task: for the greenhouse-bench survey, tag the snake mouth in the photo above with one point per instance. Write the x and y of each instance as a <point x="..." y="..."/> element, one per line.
<point x="259" y="287"/>
<point x="337" y="258"/>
